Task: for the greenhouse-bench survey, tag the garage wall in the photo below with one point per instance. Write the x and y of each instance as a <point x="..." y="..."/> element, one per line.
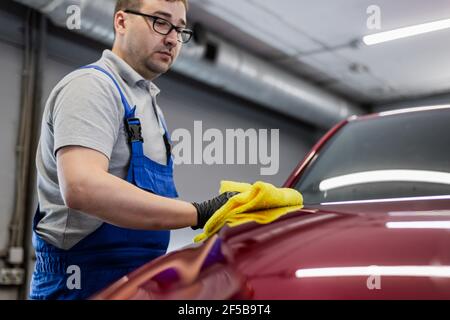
<point x="10" y="60"/>
<point x="182" y="101"/>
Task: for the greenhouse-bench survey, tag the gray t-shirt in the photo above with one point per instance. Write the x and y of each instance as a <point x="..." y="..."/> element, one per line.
<point x="85" y="109"/>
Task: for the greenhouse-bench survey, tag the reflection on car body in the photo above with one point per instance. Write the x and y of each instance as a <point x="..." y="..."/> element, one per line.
<point x="375" y="225"/>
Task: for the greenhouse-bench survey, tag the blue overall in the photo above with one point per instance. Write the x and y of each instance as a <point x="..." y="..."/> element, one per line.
<point x="110" y="252"/>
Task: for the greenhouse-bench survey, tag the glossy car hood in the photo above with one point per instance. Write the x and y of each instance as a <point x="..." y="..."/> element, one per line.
<point x="381" y="250"/>
<point x="344" y="250"/>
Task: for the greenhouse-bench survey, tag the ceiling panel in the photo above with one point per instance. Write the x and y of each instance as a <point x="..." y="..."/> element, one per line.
<point x="316" y="39"/>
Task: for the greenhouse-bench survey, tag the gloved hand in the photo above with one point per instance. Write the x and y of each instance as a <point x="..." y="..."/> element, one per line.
<point x="206" y="209"/>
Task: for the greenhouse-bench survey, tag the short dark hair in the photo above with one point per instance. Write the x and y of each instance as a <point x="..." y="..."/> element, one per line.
<point x="137" y="4"/>
<point x="127" y="4"/>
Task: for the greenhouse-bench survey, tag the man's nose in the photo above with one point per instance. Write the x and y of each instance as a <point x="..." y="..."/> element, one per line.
<point x="171" y="38"/>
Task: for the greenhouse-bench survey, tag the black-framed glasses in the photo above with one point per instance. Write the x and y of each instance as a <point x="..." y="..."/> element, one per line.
<point x="164" y="27"/>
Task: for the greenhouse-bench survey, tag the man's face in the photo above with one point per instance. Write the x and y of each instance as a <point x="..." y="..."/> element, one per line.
<point x="149" y="52"/>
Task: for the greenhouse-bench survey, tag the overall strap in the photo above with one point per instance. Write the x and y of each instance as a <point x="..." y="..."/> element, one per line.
<point x="133" y="125"/>
<point x="129" y="112"/>
<point x="166" y="136"/>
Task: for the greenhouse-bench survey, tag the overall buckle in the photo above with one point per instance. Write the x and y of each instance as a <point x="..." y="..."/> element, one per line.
<point x="134" y="130"/>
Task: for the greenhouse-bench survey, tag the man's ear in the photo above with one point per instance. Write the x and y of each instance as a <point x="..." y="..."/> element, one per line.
<point x="120" y="22"/>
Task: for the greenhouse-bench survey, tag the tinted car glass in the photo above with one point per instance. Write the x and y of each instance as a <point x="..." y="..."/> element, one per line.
<point x="396" y="156"/>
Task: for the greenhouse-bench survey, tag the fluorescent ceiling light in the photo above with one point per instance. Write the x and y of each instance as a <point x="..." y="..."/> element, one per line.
<point x="385" y="176"/>
<point x="419" y="225"/>
<point x="394" y="271"/>
<point x="406" y="32"/>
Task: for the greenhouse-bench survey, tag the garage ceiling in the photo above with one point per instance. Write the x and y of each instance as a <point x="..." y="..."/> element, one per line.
<point x="316" y="39"/>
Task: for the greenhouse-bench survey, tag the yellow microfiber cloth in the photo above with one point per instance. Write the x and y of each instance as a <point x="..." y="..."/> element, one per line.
<point x="260" y="202"/>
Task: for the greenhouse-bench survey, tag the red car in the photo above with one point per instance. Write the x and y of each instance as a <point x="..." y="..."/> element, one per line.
<point x="375" y="225"/>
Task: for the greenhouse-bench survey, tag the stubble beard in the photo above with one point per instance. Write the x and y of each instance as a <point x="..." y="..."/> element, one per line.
<point x="156" y="67"/>
<point x="147" y="65"/>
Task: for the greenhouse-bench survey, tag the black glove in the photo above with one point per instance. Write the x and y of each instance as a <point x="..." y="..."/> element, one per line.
<point x="206" y="209"/>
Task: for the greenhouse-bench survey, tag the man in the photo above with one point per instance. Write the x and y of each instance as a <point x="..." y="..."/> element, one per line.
<point x="105" y="171"/>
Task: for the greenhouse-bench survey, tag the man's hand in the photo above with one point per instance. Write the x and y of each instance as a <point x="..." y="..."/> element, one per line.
<point x="206" y="209"/>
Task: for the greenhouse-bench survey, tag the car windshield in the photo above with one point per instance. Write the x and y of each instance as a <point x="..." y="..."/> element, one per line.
<point x="395" y="156"/>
